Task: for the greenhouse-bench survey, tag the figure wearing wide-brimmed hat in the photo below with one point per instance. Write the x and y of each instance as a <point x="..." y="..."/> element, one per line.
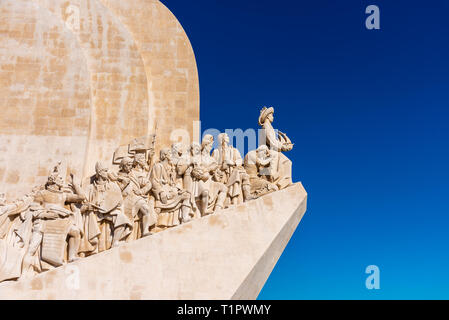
<point x="279" y="142"/>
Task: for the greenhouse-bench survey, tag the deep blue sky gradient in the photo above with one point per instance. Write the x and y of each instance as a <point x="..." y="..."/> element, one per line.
<point x="368" y="112"/>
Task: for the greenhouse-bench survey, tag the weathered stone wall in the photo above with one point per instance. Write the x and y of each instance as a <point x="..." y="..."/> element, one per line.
<point x="74" y="91"/>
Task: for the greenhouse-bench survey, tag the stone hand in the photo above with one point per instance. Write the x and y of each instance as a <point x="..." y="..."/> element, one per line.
<point x="287" y="146"/>
<point x="164" y="197"/>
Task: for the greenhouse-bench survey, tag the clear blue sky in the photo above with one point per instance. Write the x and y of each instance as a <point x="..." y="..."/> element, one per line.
<point x="368" y="112"/>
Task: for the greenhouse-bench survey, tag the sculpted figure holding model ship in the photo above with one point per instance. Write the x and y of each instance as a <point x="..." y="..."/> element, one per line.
<point x="57" y="223"/>
<point x="278" y="142"/>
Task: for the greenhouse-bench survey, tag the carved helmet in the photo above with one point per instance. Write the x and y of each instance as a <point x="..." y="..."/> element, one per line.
<point x="54" y="174"/>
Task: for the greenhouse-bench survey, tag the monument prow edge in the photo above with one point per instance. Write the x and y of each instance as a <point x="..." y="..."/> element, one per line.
<point x="227" y="255"/>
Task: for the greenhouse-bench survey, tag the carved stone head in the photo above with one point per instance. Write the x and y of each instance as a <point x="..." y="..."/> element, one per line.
<point x="208" y="143"/>
<point x="126" y="164"/>
<point x="195" y="149"/>
<point x="140" y="160"/>
<point x="223" y="138"/>
<point x="55" y="178"/>
<point x="165" y="155"/>
<point x="263" y="152"/>
<point x="177" y="149"/>
<point x="101" y="170"/>
<point x="266" y="113"/>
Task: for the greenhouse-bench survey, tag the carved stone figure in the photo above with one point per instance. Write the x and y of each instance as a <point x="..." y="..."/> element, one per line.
<point x="260" y="165"/>
<point x="230" y="162"/>
<point x="122" y="179"/>
<point x="172" y="203"/>
<point x="140" y="177"/>
<point x="105" y="224"/>
<point x="9" y="212"/>
<point x="57" y="223"/>
<point x="15" y="235"/>
<point x="143" y="145"/>
<point x="52" y="224"/>
<point x="181" y="162"/>
<point x="133" y="179"/>
<point x="206" y="176"/>
<point x="278" y="142"/>
<point x="138" y="206"/>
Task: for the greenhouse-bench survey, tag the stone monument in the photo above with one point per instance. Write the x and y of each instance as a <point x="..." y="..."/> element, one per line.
<point x="95" y="92"/>
<point x="82" y="77"/>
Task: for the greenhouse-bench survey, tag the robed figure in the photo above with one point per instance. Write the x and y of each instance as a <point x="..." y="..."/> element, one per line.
<point x="173" y="204"/>
<point x="105" y="224"/>
<point x="207" y="186"/>
<point x="278" y="142"/>
<point x="138" y="202"/>
<point x="230" y="163"/>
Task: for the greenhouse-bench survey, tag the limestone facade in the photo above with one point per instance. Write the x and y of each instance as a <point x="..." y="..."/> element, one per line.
<point x="79" y="77"/>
